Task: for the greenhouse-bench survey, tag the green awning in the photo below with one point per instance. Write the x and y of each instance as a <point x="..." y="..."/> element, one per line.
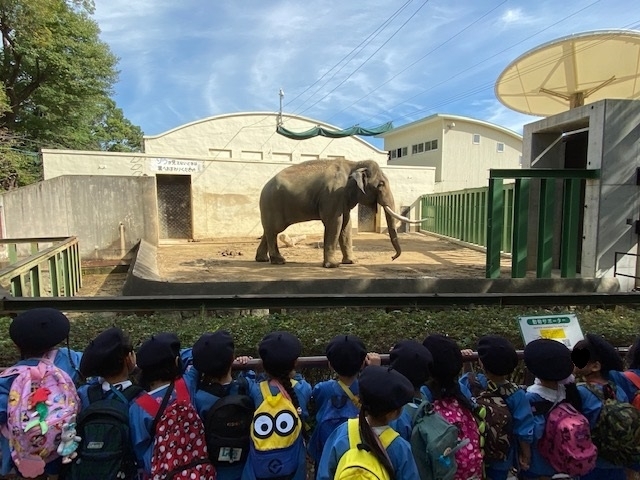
<point x="321" y="131"/>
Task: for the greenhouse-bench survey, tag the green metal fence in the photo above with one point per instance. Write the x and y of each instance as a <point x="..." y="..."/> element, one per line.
<point x="54" y="271"/>
<point x="462" y="215"/>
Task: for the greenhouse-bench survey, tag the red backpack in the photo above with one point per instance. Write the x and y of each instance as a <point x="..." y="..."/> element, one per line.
<point x="635" y="379"/>
<point x="179" y="446"/>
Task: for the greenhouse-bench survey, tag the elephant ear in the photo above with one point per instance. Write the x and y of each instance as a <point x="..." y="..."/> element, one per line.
<point x="360" y="176"/>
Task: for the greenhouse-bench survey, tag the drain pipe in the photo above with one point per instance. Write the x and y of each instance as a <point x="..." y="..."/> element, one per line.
<point x="122" y="245"/>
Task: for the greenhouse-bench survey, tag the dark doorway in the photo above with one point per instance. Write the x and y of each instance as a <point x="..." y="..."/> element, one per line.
<point x="174" y="206"/>
<point x="575" y="156"/>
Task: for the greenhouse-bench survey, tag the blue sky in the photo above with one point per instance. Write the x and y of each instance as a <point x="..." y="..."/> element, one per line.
<point x="340" y="62"/>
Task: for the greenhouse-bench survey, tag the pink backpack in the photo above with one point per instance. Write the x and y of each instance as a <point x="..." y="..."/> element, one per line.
<point x="566" y="442"/>
<point x="42" y="399"/>
<point x="468" y="458"/>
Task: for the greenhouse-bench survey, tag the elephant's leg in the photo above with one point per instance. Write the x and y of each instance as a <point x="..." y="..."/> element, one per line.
<point x="331" y="234"/>
<point x="345" y="241"/>
<point x="262" y="253"/>
<point x="272" y="243"/>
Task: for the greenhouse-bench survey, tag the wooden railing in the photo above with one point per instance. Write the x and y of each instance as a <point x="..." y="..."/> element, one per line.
<point x="55" y="271"/>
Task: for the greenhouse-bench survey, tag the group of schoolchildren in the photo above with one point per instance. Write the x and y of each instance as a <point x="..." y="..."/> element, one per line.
<point x="66" y="414"/>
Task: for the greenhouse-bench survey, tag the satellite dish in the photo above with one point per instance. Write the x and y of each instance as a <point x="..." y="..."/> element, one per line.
<point x="572" y="71"/>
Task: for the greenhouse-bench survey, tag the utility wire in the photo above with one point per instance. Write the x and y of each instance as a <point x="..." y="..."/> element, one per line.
<point x="368" y="58"/>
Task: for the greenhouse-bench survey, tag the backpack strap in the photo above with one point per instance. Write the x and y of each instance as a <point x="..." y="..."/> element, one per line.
<point x="149" y="404"/>
<point x="94" y="393"/>
<point x="633" y="378"/>
<point x="243" y="385"/>
<point x="354" y="399"/>
<point x="353" y="429"/>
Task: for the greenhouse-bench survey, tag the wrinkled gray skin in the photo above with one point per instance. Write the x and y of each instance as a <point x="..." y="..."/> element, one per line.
<point x="324" y="190"/>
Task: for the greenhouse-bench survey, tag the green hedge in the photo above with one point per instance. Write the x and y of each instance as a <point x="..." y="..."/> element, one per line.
<point x="378" y="329"/>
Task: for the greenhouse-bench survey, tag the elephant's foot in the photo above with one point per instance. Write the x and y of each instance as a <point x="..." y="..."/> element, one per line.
<point x="349" y="261"/>
<point x="262" y="258"/>
<point x="330" y="265"/>
<point x="278" y="260"/>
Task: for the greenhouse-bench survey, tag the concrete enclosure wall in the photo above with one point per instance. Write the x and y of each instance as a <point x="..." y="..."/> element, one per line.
<point x="93" y="208"/>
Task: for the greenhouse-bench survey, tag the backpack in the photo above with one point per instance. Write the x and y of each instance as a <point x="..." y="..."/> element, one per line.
<point x="617" y="431"/>
<point x="434" y="442"/>
<point x="179" y="445"/>
<point x="42" y="399"/>
<point x="469" y="457"/>
<point x="105" y="451"/>
<point x="635" y="379"/>
<point x="498" y="419"/>
<point x="566" y="441"/>
<point x="276" y="436"/>
<point x="358" y="462"/>
<point x="340" y="409"/>
<point x="227" y="424"/>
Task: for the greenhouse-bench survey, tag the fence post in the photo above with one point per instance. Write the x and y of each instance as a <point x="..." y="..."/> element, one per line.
<point x="495" y="218"/>
<point x="545" y="228"/>
<point x="520" y="228"/>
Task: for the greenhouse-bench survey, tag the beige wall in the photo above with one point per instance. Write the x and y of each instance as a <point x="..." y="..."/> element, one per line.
<point x="412" y="135"/>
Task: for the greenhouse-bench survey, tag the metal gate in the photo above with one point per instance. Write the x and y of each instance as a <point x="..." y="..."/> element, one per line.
<point x="174" y="206"/>
<point x="366" y="219"/>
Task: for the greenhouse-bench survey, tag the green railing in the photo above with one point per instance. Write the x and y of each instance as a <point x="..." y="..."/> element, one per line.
<point x="462" y="215"/>
<point x="570" y="210"/>
<point x="55" y="271"/>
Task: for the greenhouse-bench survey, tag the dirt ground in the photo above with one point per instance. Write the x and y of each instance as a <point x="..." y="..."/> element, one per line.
<point x="232" y="259"/>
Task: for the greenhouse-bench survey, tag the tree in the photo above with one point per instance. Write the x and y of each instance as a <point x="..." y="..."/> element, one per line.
<point x="58" y="77"/>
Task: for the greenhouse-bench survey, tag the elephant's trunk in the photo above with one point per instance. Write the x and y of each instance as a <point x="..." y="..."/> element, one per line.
<point x="393" y="234"/>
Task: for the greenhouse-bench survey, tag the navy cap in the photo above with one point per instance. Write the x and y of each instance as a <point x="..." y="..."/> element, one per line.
<point x="279" y="352"/>
<point x="39" y="329"/>
<point x="548" y="359"/>
<point x="107" y="347"/>
<point x="383" y="389"/>
<point x="346" y="354"/>
<point x="447" y="357"/>
<point x="213" y="352"/>
<point x="158" y="350"/>
<point x="497" y="354"/>
<point x="607" y="354"/>
<point x="411" y="359"/>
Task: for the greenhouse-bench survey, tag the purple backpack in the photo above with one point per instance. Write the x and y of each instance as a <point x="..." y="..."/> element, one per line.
<point x="566" y="442"/>
<point x="42" y="399"/>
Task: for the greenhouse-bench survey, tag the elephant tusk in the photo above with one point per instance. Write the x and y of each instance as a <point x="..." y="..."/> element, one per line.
<point x="401" y="218"/>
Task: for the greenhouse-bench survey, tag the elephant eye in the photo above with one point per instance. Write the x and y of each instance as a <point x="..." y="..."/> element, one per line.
<point x="381" y="184"/>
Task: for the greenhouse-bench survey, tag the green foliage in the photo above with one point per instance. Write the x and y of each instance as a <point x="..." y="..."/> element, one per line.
<point x="379" y="330"/>
<point x="58" y="75"/>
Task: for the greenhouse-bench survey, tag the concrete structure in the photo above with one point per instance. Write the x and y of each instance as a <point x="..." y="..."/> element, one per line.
<point x="206" y="179"/>
<point x="604" y="135"/>
<point x="461" y="149"/>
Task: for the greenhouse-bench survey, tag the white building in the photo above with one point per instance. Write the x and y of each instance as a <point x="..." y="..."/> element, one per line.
<point x="461" y="149"/>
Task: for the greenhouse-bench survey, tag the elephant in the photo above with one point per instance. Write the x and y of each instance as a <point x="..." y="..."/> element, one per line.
<point x="324" y="190"/>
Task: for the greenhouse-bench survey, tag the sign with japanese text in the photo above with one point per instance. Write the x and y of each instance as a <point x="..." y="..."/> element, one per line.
<point x="564" y="328"/>
<point x="171" y="165"/>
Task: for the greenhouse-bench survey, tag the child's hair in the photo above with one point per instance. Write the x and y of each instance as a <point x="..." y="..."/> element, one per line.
<point x="106" y="354"/>
<point x="279" y="352"/>
<point x="601" y="351"/>
<point x="157" y="360"/>
<point x="447" y="363"/>
<point x="633" y="355"/>
<point x="346" y="354"/>
<point x="382" y="391"/>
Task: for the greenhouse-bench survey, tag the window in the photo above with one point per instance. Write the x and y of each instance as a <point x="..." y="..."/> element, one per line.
<point x="414" y="149"/>
<point x="434" y="144"/>
<point x="392" y="154"/>
<point x="404" y="151"/>
<point x="427" y="146"/>
<point x="476" y="139"/>
<point x="420" y="147"/>
<point x="500" y="147"/>
<point x="400" y="152"/>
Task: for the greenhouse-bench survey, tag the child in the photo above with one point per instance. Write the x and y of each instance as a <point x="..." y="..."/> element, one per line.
<point x="336" y="401"/>
<point x="36" y="332"/>
<point x="594" y="358"/>
<point x="383" y="393"/>
<point x="159" y="363"/>
<point x="107" y="361"/>
<point x="550" y="362"/>
<point x="413" y="360"/>
<point x="213" y="356"/>
<point x="277" y="448"/>
<point x="498" y="359"/>
<point x="629" y="380"/>
<point x="444" y="392"/>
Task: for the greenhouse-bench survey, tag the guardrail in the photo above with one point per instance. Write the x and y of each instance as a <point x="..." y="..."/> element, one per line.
<point x="53" y="272"/>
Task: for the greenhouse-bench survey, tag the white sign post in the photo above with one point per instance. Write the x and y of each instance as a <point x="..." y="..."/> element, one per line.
<point x="564" y="328"/>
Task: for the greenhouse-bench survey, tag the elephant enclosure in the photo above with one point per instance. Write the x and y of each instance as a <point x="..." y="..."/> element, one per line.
<point x="232" y="259"/>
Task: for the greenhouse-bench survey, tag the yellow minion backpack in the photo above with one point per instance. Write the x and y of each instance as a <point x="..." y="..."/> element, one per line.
<point x="276" y="436"/>
<point x="359" y="462"/>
